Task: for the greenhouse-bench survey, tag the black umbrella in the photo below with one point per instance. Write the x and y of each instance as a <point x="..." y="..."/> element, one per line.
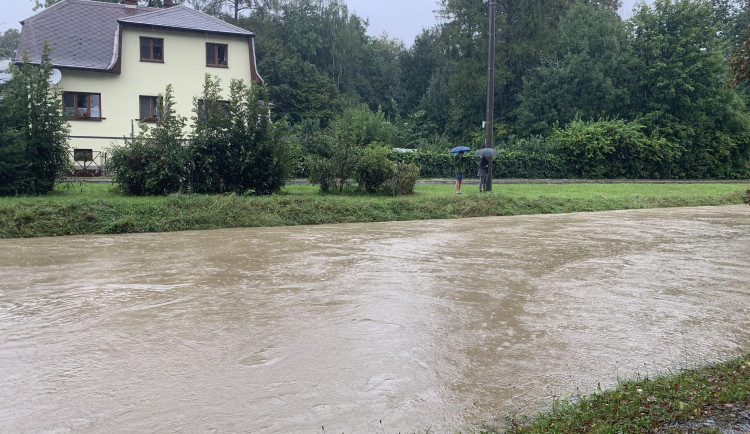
<point x="486" y="152"/>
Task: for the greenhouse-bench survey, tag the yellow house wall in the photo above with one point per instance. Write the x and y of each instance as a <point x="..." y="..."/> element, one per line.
<point x="184" y="67"/>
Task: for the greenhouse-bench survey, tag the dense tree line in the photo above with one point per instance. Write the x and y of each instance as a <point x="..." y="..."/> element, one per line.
<point x="562" y="67"/>
<point x="579" y="92"/>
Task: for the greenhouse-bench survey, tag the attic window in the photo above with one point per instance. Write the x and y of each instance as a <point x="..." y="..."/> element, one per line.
<point x="152" y="49"/>
<point x="216" y="55"/>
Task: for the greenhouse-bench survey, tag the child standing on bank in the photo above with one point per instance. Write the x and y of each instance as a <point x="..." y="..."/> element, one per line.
<point x="459" y="166"/>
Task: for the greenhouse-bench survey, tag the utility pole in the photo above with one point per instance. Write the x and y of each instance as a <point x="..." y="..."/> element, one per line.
<point x="489" y="121"/>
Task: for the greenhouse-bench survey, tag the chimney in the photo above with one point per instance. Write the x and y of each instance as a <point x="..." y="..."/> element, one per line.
<point x="168" y="4"/>
<point x="131" y="2"/>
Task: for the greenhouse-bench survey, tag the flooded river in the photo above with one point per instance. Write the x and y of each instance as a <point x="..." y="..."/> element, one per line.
<point x="388" y="327"/>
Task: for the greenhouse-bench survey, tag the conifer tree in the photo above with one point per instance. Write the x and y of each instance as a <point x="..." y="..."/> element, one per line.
<point x="33" y="130"/>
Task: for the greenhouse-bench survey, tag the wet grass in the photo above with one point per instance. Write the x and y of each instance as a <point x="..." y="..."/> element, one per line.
<point x="90" y="208"/>
<point x="711" y="399"/>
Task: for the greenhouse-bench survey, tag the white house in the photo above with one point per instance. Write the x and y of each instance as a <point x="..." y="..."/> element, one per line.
<point x="114" y="59"/>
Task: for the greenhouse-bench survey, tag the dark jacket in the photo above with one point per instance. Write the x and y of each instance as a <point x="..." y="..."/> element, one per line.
<point x="459" y="164"/>
<point x="484" y="167"/>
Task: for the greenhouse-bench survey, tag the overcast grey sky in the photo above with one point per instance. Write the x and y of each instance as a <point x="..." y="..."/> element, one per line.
<point x="402" y="19"/>
<point x="405" y="19"/>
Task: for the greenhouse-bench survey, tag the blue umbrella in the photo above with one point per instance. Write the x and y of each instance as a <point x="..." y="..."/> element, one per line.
<point x="458" y="149"/>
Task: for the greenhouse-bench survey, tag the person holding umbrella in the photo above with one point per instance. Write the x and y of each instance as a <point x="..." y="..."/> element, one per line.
<point x="486" y="155"/>
<point x="459" y="165"/>
<point x="484" y="170"/>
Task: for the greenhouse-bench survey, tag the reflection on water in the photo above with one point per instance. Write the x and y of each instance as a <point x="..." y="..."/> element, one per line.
<point x="392" y="327"/>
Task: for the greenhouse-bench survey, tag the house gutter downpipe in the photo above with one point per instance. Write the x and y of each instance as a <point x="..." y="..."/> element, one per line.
<point x="489" y="124"/>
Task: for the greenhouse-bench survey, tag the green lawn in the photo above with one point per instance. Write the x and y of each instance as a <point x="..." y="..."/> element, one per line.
<point x="96" y="208"/>
<point x="65" y="191"/>
<point x="566" y="191"/>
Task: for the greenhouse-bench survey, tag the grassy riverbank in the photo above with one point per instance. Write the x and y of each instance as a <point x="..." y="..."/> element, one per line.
<point x="89" y="208"/>
<point x="712" y="399"/>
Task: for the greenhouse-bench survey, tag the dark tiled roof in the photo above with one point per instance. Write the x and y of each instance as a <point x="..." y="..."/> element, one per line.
<point x="185" y="18"/>
<point x="84" y="34"/>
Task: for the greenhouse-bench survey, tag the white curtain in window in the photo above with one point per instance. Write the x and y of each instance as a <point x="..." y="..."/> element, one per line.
<point x="95" y="111"/>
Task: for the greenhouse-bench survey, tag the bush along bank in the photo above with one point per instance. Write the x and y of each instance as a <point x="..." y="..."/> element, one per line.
<point x="604" y="149"/>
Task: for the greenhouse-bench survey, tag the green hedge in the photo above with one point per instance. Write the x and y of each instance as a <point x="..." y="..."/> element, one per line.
<point x="509" y="164"/>
<point x="431" y="164"/>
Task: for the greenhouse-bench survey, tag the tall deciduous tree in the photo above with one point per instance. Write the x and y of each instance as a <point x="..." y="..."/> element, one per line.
<point x="463" y="37"/>
<point x="740" y="64"/>
<point x="678" y="88"/>
<point x="343" y="36"/>
<point x="436" y="100"/>
<point x="297" y="88"/>
<point x="322" y="38"/>
<point x="9" y="43"/>
<point x="235" y="9"/>
<point x="583" y="76"/>
<point x="525" y="30"/>
<point x="737" y="36"/>
<point x="379" y="83"/>
<point x="324" y="33"/>
<point x="417" y="65"/>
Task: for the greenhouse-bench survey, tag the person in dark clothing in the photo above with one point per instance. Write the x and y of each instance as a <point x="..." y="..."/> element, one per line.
<point x="459" y="166"/>
<point x="484" y="171"/>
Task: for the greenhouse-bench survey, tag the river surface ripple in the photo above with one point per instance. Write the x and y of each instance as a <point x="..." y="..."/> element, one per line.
<point x="386" y="327"/>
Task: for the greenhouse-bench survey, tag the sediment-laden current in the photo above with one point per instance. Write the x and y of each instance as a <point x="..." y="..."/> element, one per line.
<point x="385" y="327"/>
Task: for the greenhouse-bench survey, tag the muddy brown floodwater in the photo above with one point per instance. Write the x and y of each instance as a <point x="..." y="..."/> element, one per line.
<point x="386" y="327"/>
